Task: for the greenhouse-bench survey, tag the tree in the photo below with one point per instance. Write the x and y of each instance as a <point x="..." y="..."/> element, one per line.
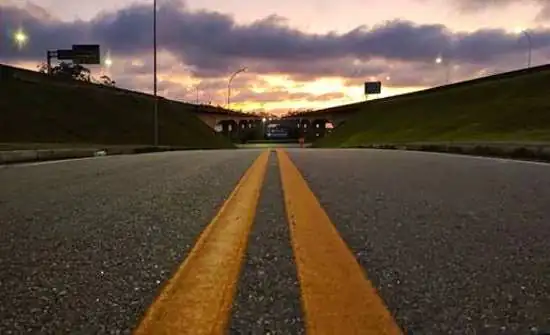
<point x="107" y="81"/>
<point x="68" y="71"/>
<point x="76" y="72"/>
<point x="42" y="68"/>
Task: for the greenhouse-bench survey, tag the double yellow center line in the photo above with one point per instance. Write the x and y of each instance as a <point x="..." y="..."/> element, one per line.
<point x="337" y="298"/>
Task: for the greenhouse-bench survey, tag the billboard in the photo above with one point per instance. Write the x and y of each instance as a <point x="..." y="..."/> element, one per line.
<point x="86" y="54"/>
<point x="373" y="87"/>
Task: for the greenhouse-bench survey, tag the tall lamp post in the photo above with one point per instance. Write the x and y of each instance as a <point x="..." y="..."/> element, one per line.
<point x="530" y="44"/>
<point x="446" y="63"/>
<point x="229" y="85"/>
<point x="197" y="89"/>
<point x="155" y="111"/>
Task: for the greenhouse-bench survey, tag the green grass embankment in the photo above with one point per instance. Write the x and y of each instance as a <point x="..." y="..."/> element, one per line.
<point x="42" y="112"/>
<point x="515" y="108"/>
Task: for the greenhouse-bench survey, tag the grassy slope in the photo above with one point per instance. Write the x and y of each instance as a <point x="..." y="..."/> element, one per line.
<point x="511" y="109"/>
<point x="31" y="112"/>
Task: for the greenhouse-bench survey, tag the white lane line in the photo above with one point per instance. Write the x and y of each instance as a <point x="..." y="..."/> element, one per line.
<point x="497" y="159"/>
<point x="455" y="155"/>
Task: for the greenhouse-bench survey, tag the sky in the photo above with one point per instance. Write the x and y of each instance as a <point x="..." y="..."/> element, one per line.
<point x="306" y="54"/>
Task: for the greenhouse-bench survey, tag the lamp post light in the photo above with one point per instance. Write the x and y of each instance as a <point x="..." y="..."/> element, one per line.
<point x="524" y="32"/>
<point x="20" y="38"/>
<point x="244" y="69"/>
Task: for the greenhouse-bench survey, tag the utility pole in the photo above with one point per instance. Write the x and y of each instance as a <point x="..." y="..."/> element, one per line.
<point x="49" y="55"/>
<point x="156" y="116"/>
<point x="530" y="51"/>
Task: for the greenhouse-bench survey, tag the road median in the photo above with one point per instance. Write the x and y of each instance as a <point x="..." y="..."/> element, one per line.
<point x="522" y="151"/>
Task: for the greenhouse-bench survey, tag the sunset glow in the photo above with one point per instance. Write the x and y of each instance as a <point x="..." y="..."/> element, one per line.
<point x="298" y="55"/>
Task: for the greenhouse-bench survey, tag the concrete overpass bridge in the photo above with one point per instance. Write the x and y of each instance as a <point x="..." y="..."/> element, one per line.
<point x="237" y="125"/>
<point x="232" y="124"/>
<point x="226" y="120"/>
<point x="318" y="123"/>
<point x="220" y="119"/>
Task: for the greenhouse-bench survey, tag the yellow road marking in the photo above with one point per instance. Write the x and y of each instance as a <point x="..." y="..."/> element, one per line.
<point x="336" y="295"/>
<point x="197" y="300"/>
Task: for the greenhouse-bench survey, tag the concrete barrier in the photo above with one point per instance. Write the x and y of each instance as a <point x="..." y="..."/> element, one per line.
<point x="16" y="156"/>
<point x="126" y="150"/>
<point x="54" y="154"/>
<point x="522" y="151"/>
<point x="24" y="156"/>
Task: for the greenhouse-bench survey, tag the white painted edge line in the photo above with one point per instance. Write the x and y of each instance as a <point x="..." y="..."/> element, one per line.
<point x="456" y="155"/>
<point x="57" y="161"/>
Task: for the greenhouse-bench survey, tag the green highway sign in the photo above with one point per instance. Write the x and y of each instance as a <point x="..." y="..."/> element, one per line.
<point x="374" y="87"/>
<point x="86" y="54"/>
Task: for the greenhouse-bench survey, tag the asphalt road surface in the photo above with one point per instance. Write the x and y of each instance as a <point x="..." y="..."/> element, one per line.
<point x="452" y="244"/>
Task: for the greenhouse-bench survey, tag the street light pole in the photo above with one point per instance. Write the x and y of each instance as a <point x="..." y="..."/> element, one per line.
<point x="156" y="117"/>
<point x="447" y="66"/>
<point x="530" y="51"/>
<point x="229" y="85"/>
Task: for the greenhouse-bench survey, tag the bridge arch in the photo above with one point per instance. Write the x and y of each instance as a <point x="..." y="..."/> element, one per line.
<point x="299" y="127"/>
<point x="304" y="126"/>
<point x="244" y="125"/>
<point x="227" y="127"/>
<point x="321" y="127"/>
<point x="248" y="129"/>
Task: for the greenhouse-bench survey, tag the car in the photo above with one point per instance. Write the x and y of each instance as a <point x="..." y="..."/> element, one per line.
<point x="275" y="133"/>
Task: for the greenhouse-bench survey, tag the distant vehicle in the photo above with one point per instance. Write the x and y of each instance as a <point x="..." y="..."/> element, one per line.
<point x="277" y="133"/>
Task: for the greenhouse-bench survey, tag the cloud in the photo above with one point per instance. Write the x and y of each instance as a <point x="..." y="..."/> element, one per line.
<point x="205" y="47"/>
<point x="212" y="44"/>
<point x="475" y="5"/>
<point x="282" y="94"/>
<point x="544" y="14"/>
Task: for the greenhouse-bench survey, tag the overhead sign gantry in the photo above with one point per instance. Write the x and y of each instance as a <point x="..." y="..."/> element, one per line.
<point x="78" y="54"/>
